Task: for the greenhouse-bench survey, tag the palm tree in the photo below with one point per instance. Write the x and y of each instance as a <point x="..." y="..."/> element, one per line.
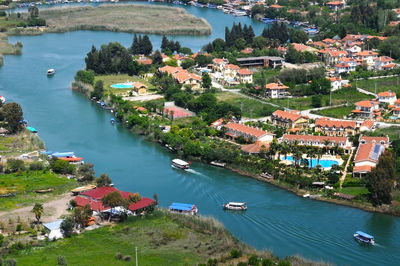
<point x="38" y="211"/>
<point x="311" y="154"/>
<point x="273" y="148"/>
<point x="320" y="152"/>
<point x="326" y="144"/>
<point x="285" y="149"/>
<point x="297" y="155"/>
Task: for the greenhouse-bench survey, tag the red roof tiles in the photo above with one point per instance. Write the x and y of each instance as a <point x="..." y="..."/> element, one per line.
<point x="320" y="139"/>
<point x="286" y="115"/>
<point x="245" y="129"/>
<point x="323" y="122"/>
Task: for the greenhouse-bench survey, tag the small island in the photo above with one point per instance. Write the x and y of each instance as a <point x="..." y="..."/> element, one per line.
<point x="125" y="18"/>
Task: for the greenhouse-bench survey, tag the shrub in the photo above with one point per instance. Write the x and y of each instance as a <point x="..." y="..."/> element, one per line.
<point x="1" y="241"/>
<point x="15" y="164"/>
<point x="118" y="256"/>
<point x="253" y="260"/>
<point x="236" y="253"/>
<point x="242" y="264"/>
<point x="212" y="262"/>
<point x="127" y="258"/>
<point x="36" y="166"/>
<point x="61" y="260"/>
<point x="267" y="262"/>
<point x="19" y="227"/>
<point x="10" y="262"/>
<point x="17" y="246"/>
<point x="284" y="263"/>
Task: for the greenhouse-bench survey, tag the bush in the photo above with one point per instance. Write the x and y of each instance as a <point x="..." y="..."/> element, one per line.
<point x="10" y="262"/>
<point x="253" y="260"/>
<point x="15" y="164"/>
<point x="284" y="263"/>
<point x="242" y="264"/>
<point x="118" y="256"/>
<point x="236" y="253"/>
<point x="36" y="166"/>
<point x="61" y="260"/>
<point x="63" y="167"/>
<point x="19" y="227"/>
<point x="267" y="262"/>
<point x="127" y="258"/>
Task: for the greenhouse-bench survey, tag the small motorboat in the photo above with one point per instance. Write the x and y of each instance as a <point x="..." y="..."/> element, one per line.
<point x="180" y="164"/>
<point x="112" y="121"/>
<point x="50" y="72"/>
<point x="235" y="206"/>
<point x="364" y="238"/>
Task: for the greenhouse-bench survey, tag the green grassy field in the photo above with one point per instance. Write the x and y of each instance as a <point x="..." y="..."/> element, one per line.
<point x="383" y="84"/>
<point x="25" y="141"/>
<point x="336" y="112"/>
<point x="250" y="108"/>
<point x="343" y="96"/>
<point x="355" y="191"/>
<point x="113" y="79"/>
<point x="25" y="184"/>
<point x="126" y="18"/>
<point x="161" y="239"/>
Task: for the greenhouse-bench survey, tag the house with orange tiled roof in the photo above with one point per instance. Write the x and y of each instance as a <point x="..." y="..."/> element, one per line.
<point x="235" y="130"/>
<point x="219" y="64"/>
<point x="343" y="67"/>
<point x="139" y="88"/>
<point x="367" y="125"/>
<point x="255" y="147"/>
<point x="353" y="37"/>
<point x="353" y="49"/>
<point x="368" y="153"/>
<point x="230" y="71"/>
<point x="143" y="60"/>
<point x="368" y="57"/>
<point x="276" y="90"/>
<point x="384" y="63"/>
<point x="388" y="97"/>
<point x="186" y="78"/>
<point x="244" y="76"/>
<point x="247" y="50"/>
<point x="318" y="141"/>
<point x="333" y="57"/>
<point x="169" y="70"/>
<point x="289" y="119"/>
<point x="366" y="109"/>
<point x="394" y="23"/>
<point x="338" y="128"/>
<point x="303" y="48"/>
<point x="336" y="83"/>
<point x="276" y="6"/>
<point x="336" y="5"/>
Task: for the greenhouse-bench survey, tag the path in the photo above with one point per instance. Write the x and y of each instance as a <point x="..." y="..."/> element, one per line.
<point x="52" y="210"/>
<point x="366" y="92"/>
<point x="345" y="169"/>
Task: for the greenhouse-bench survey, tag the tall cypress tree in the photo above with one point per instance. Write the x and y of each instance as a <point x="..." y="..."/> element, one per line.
<point x="164" y="43"/>
<point x="147" y="46"/>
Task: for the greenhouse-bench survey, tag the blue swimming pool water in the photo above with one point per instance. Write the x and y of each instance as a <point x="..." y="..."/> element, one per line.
<point x="121" y="86"/>
<point x="323" y="163"/>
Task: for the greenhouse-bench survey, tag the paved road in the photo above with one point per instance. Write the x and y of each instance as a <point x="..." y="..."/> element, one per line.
<point x="367" y="92"/>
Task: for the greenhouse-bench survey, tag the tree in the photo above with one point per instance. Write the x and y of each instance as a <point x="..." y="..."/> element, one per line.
<point x="135" y="197"/>
<point x="187" y="63"/>
<point x="259" y="42"/>
<point x="98" y="91"/>
<point x="206" y="80"/>
<point x="38" y="211"/>
<point x="157" y="58"/>
<point x="86" y="172"/>
<point x="67" y="226"/>
<point x="114" y="199"/>
<point x="12" y="113"/>
<point x="33" y="11"/>
<point x="85" y="76"/>
<point x="82" y="214"/>
<point x="103" y="181"/>
<point x="147" y="46"/>
<point x="298" y="36"/>
<point x="381" y="179"/>
<point x="316" y="101"/>
<point x="15" y="165"/>
<point x="63" y="167"/>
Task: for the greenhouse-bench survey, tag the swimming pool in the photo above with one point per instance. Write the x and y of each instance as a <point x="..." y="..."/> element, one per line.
<point x="324" y="163"/>
<point x="122" y="86"/>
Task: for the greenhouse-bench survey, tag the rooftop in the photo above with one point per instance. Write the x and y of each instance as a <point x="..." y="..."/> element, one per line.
<point x="246" y="129"/>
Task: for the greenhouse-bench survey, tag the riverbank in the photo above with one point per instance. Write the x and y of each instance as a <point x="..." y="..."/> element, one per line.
<point x="8" y="49"/>
<point x="120" y="18"/>
<point x="161" y="238"/>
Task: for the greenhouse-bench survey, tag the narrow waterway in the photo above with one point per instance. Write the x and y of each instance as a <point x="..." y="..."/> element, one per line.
<point x="276" y="220"/>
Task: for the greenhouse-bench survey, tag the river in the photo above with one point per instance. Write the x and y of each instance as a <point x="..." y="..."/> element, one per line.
<point x="276" y="220"/>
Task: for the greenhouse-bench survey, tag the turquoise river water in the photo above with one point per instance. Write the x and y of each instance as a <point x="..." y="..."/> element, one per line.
<point x="276" y="220"/>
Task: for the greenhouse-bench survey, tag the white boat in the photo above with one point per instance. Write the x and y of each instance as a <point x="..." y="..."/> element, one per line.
<point x="2" y="99"/>
<point x="236" y="206"/>
<point x="180" y="164"/>
<point x="307" y="195"/>
<point x="238" y="13"/>
<point x="51" y="72"/>
<point x="218" y="164"/>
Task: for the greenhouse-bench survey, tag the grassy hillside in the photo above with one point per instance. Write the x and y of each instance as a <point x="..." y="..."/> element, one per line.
<point x="161" y="239"/>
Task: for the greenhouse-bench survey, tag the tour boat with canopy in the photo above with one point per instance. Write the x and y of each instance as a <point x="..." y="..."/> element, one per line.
<point x="364" y="238"/>
<point x="180" y="164"/>
<point x="184" y="208"/>
<point x="235" y="206"/>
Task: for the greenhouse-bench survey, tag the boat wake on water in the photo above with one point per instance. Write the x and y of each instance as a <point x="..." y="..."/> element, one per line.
<point x="194" y="172"/>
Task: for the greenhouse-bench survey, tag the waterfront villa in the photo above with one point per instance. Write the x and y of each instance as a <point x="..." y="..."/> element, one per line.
<point x="235" y="130"/>
<point x="368" y="153"/>
<point x="182" y="76"/>
<point x="388" y="97"/>
<point x="318" y="141"/>
<point x="276" y="90"/>
<point x="366" y="109"/>
<point x="94" y="199"/>
<point x="337" y="128"/>
<point x="289" y="119"/>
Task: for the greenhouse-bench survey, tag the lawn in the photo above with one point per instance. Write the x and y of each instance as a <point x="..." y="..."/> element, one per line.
<point x="25" y="184"/>
<point x="161" y="239"/>
<point x="339" y="97"/>
<point x="24" y="142"/>
<point x="355" y="191"/>
<point x="392" y="132"/>
<point x="250" y="108"/>
<point x="109" y="80"/>
<point x="336" y="112"/>
<point x="383" y="84"/>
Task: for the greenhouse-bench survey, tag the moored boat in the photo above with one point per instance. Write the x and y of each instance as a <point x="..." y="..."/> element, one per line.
<point x="184" y="208"/>
<point x="235" y="206"/>
<point x="51" y="72"/>
<point x="364" y="238"/>
<point x="180" y="164"/>
<point x="218" y="164"/>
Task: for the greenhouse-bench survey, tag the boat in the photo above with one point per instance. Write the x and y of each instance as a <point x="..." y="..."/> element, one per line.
<point x="218" y="164"/>
<point x="2" y="99"/>
<point x="44" y="190"/>
<point x="31" y="129"/>
<point x="235" y="206"/>
<point x="112" y="121"/>
<point x="239" y="13"/>
<point x="364" y="238"/>
<point x="184" y="208"/>
<point x="180" y="164"/>
<point x="307" y="195"/>
<point x="73" y="160"/>
<point x="78" y="190"/>
<point x="51" y="72"/>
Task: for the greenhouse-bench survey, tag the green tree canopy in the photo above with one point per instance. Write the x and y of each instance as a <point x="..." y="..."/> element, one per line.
<point x="13" y="115"/>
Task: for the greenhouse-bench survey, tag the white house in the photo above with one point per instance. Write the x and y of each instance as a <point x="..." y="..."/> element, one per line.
<point x="244" y="76"/>
<point x="384" y="63"/>
<point x="276" y="90"/>
<point x="388" y="97"/>
<point x="53" y="230"/>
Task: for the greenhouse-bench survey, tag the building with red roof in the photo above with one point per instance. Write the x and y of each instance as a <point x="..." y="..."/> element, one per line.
<point x="338" y="128"/>
<point x="384" y="63"/>
<point x="236" y="130"/>
<point x="244" y="75"/>
<point x="368" y="153"/>
<point x="332" y="57"/>
<point x="289" y="119"/>
<point x="256" y="147"/>
<point x="367" y="125"/>
<point x="366" y="109"/>
<point x="276" y="90"/>
<point x="336" y="5"/>
<point x="175" y="112"/>
<point x="368" y="57"/>
<point x="318" y="141"/>
<point x="388" y="97"/>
